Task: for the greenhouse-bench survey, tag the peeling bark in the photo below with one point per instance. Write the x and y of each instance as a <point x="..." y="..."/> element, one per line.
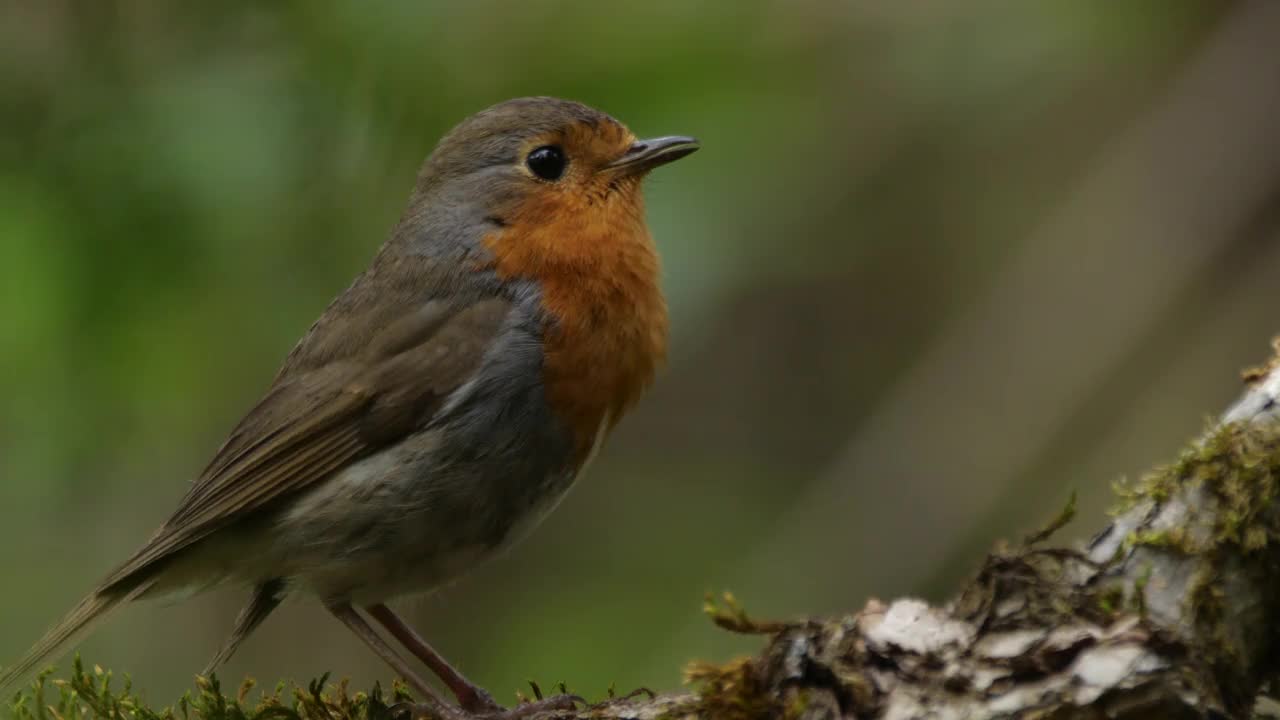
<point x="1169" y="612"/>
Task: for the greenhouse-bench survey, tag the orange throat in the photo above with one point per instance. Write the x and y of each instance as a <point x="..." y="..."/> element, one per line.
<point x="606" y="332"/>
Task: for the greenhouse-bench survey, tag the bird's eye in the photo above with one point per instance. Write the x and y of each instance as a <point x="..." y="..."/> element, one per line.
<point x="547" y="162"/>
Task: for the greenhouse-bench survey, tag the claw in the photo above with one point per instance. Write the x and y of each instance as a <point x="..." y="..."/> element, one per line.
<point x="480" y="703"/>
<point x="524" y="710"/>
<point x="403" y="710"/>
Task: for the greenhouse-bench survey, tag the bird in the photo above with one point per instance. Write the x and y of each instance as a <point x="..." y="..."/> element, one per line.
<point x="441" y="405"/>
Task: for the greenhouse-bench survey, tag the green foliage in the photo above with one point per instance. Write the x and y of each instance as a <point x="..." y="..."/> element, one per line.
<point x="1059" y="521"/>
<point x="88" y="695"/>
<point x="735" y="690"/>
<point x="733" y="617"/>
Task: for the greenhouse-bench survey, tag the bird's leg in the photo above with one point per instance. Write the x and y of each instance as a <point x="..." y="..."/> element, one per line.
<point x="431" y="702"/>
<point x="470" y="696"/>
<point x="266" y="596"/>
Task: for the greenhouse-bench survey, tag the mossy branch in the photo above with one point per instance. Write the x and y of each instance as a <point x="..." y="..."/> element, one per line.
<point x="1169" y="612"/>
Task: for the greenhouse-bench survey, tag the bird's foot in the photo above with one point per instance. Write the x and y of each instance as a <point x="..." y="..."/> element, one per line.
<point x="477" y="701"/>
<point x="530" y="708"/>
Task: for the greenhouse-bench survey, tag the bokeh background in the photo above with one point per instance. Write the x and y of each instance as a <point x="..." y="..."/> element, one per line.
<point x="938" y="265"/>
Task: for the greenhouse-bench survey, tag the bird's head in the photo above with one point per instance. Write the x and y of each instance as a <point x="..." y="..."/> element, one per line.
<point x="551" y="180"/>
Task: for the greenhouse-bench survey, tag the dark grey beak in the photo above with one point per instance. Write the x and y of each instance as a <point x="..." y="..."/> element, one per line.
<point x="645" y="155"/>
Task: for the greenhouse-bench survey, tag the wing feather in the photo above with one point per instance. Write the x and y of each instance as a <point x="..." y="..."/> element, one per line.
<point x="316" y="421"/>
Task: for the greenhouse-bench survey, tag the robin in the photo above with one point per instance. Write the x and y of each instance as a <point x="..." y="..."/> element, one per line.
<point x="442" y="404"/>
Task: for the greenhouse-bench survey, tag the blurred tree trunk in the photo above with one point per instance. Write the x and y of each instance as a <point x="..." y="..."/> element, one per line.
<point x="1169" y="612"/>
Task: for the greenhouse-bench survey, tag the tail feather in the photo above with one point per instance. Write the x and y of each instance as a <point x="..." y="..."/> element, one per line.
<point x="77" y="623"/>
<point x="266" y="596"/>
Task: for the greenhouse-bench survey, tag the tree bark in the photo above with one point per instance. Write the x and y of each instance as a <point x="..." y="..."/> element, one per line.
<point x="1170" y="612"/>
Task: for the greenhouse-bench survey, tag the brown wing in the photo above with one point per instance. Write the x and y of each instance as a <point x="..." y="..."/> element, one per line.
<point x="316" y="421"/>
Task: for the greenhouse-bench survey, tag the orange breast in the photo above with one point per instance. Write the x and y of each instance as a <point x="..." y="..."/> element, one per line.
<point x="597" y="268"/>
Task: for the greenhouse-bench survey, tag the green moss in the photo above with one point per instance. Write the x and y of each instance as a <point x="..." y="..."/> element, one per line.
<point x="1061" y="520"/>
<point x="797" y="705"/>
<point x="733" y="617"/>
<point x="1173" y="539"/>
<point x="89" y="695"/>
<point x="1236" y="470"/>
<point x="1110" y="600"/>
<point x="1208" y="608"/>
<point x="1258" y="374"/>
<point x="1240" y="465"/>
<point x="735" y="690"/>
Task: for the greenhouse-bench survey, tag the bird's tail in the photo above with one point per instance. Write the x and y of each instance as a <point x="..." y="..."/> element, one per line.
<point x="77" y="623"/>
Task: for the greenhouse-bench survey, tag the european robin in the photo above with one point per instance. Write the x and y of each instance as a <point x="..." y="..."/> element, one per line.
<point x="443" y="403"/>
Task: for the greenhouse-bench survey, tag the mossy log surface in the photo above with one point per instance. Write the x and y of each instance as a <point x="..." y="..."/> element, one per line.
<point x="1169" y="612"/>
<point x="1172" y="611"/>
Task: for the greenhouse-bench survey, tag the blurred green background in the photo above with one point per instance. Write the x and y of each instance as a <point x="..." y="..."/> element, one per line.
<point x="938" y="265"/>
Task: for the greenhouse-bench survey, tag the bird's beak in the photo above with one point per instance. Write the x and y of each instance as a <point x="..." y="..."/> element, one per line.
<point x="645" y="155"/>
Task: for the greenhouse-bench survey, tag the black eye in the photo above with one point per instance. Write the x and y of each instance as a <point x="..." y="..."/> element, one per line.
<point x="547" y="162"/>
